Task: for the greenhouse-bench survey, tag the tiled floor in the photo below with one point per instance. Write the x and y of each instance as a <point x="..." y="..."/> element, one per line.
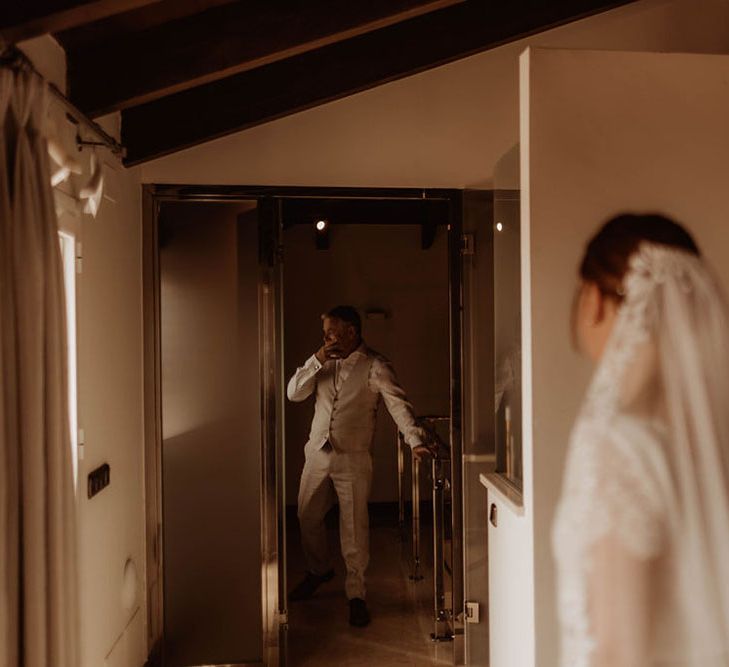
<point x="399" y="635"/>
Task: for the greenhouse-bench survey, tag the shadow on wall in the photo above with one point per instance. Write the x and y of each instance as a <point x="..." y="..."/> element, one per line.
<point x="210" y="526"/>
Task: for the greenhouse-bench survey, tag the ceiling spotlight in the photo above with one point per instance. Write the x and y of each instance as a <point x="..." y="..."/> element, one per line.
<point x="321" y="235"/>
<point x="499" y="227"/>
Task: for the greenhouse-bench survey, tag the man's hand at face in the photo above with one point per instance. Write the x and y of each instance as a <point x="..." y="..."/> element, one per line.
<point x="328" y="351"/>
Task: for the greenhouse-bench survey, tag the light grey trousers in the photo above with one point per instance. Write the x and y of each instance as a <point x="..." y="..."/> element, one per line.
<point x="348" y="475"/>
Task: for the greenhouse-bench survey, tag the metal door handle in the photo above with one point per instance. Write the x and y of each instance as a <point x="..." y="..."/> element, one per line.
<point x="493" y="515"/>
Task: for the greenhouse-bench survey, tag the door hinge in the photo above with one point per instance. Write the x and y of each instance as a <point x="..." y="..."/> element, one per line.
<point x="468" y="244"/>
<point x="283" y="618"/>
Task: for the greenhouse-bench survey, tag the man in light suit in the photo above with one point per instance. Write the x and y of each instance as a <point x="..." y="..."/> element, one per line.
<point x="348" y="380"/>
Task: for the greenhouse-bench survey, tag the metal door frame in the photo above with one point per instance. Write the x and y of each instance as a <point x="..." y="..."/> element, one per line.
<point x="273" y="507"/>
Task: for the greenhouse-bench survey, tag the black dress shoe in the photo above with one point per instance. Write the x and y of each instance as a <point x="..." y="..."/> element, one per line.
<point x="358" y="614"/>
<point x="307" y="587"/>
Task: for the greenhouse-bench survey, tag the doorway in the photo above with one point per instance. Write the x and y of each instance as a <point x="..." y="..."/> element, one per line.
<point x="273" y="232"/>
<point x="390" y="261"/>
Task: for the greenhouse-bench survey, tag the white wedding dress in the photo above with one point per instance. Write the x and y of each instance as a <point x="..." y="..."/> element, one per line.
<point x="641" y="537"/>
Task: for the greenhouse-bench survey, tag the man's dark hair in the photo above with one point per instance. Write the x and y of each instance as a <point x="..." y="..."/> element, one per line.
<point x="346" y="314"/>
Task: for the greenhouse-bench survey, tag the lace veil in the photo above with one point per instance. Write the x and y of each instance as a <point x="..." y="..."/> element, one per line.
<point x="663" y="490"/>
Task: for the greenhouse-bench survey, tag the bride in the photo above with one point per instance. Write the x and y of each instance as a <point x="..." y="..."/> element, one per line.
<point x="641" y="536"/>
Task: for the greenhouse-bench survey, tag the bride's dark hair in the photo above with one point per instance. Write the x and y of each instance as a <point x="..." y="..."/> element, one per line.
<point x="608" y="253"/>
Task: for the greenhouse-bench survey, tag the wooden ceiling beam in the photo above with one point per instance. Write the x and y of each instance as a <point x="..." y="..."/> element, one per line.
<point x="138" y="67"/>
<point x="272" y="91"/>
<point x="23" y="19"/>
<point x="127" y="26"/>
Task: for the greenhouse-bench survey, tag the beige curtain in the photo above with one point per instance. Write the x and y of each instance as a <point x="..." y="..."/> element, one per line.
<point x="39" y="602"/>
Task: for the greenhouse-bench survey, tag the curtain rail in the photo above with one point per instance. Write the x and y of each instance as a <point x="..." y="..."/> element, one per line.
<point x="14" y="58"/>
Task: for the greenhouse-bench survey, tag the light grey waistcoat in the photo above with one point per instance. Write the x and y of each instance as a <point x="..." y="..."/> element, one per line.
<point x="346" y="418"/>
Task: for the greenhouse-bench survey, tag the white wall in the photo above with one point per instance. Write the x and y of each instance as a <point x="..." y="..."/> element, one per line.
<point x="446" y="127"/>
<point x="48" y="57"/>
<point x="510" y="624"/>
<point x="109" y="329"/>
<point x="602" y="133"/>
<point x="111" y="412"/>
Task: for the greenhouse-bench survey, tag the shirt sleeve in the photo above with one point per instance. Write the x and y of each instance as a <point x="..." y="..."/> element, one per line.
<point x="303" y="382"/>
<point x="384" y="381"/>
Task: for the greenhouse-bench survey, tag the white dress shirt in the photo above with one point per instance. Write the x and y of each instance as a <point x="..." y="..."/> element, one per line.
<point x="354" y="428"/>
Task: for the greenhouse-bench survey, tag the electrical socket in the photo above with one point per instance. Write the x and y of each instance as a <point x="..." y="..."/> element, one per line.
<point x="98" y="479"/>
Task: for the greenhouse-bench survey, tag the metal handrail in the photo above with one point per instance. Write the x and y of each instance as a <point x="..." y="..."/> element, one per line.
<point x="429" y="419"/>
<point x="440" y="465"/>
<point x="442" y="613"/>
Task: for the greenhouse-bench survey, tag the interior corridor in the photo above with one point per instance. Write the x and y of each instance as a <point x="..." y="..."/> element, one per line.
<point x="399" y="634"/>
<point x="186" y="186"/>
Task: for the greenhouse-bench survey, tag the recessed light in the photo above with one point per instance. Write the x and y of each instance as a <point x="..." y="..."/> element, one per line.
<point x="321" y="225"/>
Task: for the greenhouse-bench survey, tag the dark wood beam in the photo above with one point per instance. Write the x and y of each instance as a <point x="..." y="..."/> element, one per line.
<point x="129" y="25"/>
<point x="272" y="91"/>
<point x="140" y="66"/>
<point x="23" y="19"/>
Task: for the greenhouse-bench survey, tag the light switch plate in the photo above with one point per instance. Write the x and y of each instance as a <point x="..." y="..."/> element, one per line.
<point x="473" y="612"/>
